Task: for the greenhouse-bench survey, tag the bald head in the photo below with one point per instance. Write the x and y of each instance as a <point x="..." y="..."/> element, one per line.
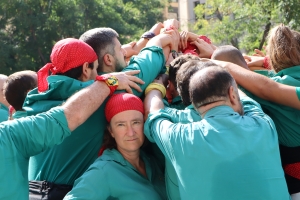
<point x="3" y="79"/>
<point x="231" y="54"/>
<point x="210" y="85"/>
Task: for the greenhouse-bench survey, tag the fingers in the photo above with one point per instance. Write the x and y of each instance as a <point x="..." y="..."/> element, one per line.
<point x="135" y="79"/>
<point x="135" y="86"/>
<point x="132" y="44"/>
<point x="247" y="58"/>
<point x="129" y="90"/>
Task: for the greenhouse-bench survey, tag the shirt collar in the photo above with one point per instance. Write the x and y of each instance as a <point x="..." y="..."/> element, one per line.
<point x="221" y="110"/>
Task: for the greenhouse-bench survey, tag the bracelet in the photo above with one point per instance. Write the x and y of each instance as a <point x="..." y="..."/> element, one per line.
<point x="148" y="35"/>
<point x="266" y="63"/>
<point x="174" y="54"/>
<point x="156" y="86"/>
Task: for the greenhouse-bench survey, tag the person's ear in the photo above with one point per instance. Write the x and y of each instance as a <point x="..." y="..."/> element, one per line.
<point x="234" y="99"/>
<point x="86" y="72"/>
<point x="108" y="59"/>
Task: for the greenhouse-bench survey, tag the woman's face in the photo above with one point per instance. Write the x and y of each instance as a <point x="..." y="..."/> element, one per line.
<point x="127" y="128"/>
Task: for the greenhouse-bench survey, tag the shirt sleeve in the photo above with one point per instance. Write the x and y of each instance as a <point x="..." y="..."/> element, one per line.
<point x="167" y="135"/>
<point x="298" y="92"/>
<point x="91" y="185"/>
<point x="253" y="109"/>
<point x="182" y="116"/>
<point x="151" y="63"/>
<point x="32" y="135"/>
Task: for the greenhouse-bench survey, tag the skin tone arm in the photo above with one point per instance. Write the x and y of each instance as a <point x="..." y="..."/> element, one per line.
<point x="84" y="103"/>
<point x="153" y="99"/>
<point x="262" y="86"/>
<point x="133" y="48"/>
<point x="169" y="39"/>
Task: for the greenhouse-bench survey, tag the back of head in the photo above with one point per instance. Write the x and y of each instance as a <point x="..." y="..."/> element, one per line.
<point x="101" y="40"/>
<point x="231" y="54"/>
<point x="17" y="86"/>
<point x="3" y="79"/>
<point x="283" y="47"/>
<point x="184" y="74"/>
<point x="210" y="85"/>
<point x="177" y="63"/>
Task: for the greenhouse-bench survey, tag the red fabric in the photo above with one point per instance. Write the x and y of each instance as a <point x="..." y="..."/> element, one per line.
<point x="266" y="63"/>
<point x="101" y="151"/>
<point x="293" y="170"/>
<point x="192" y="48"/>
<point x="66" y="54"/>
<point x="121" y="102"/>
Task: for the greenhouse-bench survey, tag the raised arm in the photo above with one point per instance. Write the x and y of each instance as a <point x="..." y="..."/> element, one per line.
<point x="262" y="86"/>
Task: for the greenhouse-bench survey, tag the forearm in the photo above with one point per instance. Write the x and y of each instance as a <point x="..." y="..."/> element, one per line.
<point x="140" y="44"/>
<point x="153" y="102"/>
<point x="82" y="104"/>
<point x="264" y="87"/>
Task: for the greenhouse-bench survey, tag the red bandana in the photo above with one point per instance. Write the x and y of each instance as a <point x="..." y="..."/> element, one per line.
<point x="66" y="54"/>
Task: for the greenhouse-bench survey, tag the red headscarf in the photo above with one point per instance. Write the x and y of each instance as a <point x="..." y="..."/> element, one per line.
<point x="66" y="54"/>
<point x="121" y="102"/>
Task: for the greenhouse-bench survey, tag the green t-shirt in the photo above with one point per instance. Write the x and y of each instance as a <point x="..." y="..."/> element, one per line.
<point x="111" y="176"/>
<point x="66" y="162"/>
<point x="286" y="119"/>
<point x="223" y="156"/>
<point x="298" y="92"/>
<point x="3" y="113"/>
<point x="19" y="142"/>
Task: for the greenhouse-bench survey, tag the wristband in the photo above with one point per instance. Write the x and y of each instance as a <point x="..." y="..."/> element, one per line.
<point x="156" y="86"/>
<point x="110" y="80"/>
<point x="266" y="63"/>
<point x="148" y="35"/>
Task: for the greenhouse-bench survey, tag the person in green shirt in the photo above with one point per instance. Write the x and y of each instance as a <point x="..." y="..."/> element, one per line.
<point x="28" y="136"/>
<point x="283" y="60"/>
<point x="74" y="67"/>
<point x="123" y="171"/>
<point x="228" y="151"/>
<point x="48" y="165"/>
<point x="3" y="102"/>
<point x="16" y="88"/>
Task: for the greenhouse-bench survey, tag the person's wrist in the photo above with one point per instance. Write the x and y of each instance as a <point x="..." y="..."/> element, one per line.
<point x="156" y="86"/>
<point x="148" y="35"/>
<point x="110" y="80"/>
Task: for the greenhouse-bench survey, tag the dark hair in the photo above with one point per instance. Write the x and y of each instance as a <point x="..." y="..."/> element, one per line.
<point x="184" y="74"/>
<point x="75" y="72"/>
<point x="108" y="141"/>
<point x="231" y="54"/>
<point x="17" y="86"/>
<point x="176" y="64"/>
<point x="102" y="41"/>
<point x="210" y="85"/>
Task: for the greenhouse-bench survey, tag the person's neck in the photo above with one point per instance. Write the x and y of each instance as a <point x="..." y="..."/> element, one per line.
<point x="4" y="102"/>
<point x="134" y="159"/>
<point x="107" y="69"/>
<point x="204" y="109"/>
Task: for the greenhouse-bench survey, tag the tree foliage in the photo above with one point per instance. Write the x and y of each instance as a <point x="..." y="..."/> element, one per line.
<point x="30" y="28"/>
<point x="244" y="23"/>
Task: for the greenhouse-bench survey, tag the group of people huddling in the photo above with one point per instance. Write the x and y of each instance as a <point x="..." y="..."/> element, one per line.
<point x="171" y="116"/>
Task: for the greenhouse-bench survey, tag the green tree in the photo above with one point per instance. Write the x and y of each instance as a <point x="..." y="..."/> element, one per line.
<point x="242" y="23"/>
<point x="29" y="28"/>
